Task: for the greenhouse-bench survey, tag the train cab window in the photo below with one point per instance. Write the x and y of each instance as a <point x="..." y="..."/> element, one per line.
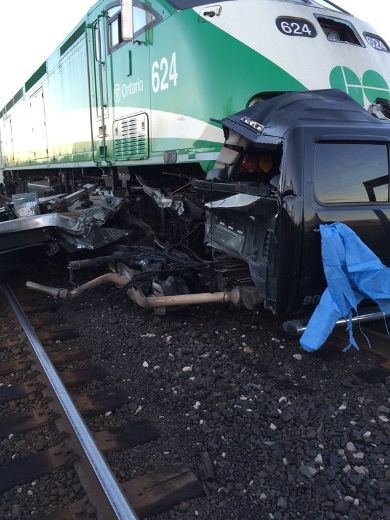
<point x="351" y="173"/>
<point x="339" y="31"/>
<point x="114" y="31"/>
<point x="143" y="19"/>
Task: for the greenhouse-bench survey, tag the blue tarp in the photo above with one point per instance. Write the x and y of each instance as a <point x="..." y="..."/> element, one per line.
<point x="353" y="272"/>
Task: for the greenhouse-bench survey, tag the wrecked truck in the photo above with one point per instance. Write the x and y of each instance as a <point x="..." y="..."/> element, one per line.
<point x="247" y="232"/>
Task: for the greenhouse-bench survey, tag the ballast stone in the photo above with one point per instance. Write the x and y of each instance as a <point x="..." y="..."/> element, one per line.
<point x="308" y="471"/>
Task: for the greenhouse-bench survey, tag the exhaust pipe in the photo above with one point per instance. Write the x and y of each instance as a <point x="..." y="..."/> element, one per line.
<point x="146" y="302"/>
<point x="153" y="302"/>
<point x="69" y="294"/>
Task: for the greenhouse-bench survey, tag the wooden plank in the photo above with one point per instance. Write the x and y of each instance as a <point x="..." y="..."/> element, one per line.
<point x="15" y="392"/>
<point x="80" y="376"/>
<point x="23" y="422"/>
<point x="39" y="323"/>
<point x="79" y="510"/>
<point x="58" y="334"/>
<point x="32" y="467"/>
<point x="9" y="327"/>
<point x="61" y="357"/>
<point x="162" y="489"/>
<point x="89" y="406"/>
<point x="14" y="366"/>
<point x="127" y="436"/>
<point x="13" y="341"/>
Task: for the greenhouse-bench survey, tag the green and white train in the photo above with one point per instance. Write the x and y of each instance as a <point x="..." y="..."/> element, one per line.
<point x="131" y="101"/>
<point x="137" y="82"/>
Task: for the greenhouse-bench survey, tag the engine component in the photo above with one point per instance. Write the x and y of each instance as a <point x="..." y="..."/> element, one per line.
<point x="146" y="302"/>
<point x="151" y="302"/>
<point x="70" y="294"/>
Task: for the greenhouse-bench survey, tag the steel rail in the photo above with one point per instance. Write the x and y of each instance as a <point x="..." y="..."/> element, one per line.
<point x="108" y="498"/>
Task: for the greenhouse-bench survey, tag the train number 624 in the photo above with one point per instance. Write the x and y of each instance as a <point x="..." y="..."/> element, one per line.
<point x="296" y="27"/>
<point x="164" y="73"/>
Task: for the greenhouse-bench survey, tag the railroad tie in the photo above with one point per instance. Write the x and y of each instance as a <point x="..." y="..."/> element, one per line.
<point x="149" y="494"/>
<point x="90" y="406"/>
<point x="126" y="436"/>
<point x="34" y="466"/>
<point x="24" y="421"/>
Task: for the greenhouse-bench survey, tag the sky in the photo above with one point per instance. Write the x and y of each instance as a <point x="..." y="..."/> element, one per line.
<point x="31" y="30"/>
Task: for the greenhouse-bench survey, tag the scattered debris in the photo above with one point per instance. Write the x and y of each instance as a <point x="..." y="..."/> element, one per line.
<point x="206" y="466"/>
<point x="71" y="222"/>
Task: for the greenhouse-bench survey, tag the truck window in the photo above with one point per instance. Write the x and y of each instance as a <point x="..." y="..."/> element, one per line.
<point x="351" y="172"/>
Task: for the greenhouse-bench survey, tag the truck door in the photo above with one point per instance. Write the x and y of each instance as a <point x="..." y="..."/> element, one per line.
<point x="130" y="81"/>
<point x="348" y="182"/>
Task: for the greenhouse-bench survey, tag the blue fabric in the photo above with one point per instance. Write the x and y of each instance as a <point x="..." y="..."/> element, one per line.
<point x="353" y="272"/>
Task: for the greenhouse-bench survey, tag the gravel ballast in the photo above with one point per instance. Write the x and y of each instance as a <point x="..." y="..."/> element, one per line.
<point x="276" y="422"/>
<point x="289" y="434"/>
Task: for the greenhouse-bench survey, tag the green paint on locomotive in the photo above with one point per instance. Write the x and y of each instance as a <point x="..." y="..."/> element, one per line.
<point x="132" y="103"/>
<point x="218" y="74"/>
<point x="372" y="85"/>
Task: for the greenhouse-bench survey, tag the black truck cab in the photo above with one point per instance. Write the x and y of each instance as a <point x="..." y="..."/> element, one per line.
<point x="332" y="166"/>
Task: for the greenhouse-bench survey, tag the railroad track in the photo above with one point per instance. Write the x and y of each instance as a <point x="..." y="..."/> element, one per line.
<point x="41" y="383"/>
<point x="28" y="409"/>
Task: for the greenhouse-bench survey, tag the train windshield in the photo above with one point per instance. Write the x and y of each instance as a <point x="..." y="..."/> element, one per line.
<point x="186" y="4"/>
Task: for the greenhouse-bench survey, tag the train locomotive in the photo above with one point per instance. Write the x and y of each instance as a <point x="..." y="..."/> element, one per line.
<point x="216" y="124"/>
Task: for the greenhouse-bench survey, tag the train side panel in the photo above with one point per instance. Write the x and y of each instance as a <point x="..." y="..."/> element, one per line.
<point x="105" y="102"/>
<point x="50" y="124"/>
<point x="188" y="79"/>
<point x="201" y="73"/>
<point x="7" y="149"/>
<point x="67" y="107"/>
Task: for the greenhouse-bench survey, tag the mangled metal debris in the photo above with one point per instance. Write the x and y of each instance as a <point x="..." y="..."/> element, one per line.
<point x="71" y="222"/>
<point x="153" y="279"/>
<point x="246" y="232"/>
